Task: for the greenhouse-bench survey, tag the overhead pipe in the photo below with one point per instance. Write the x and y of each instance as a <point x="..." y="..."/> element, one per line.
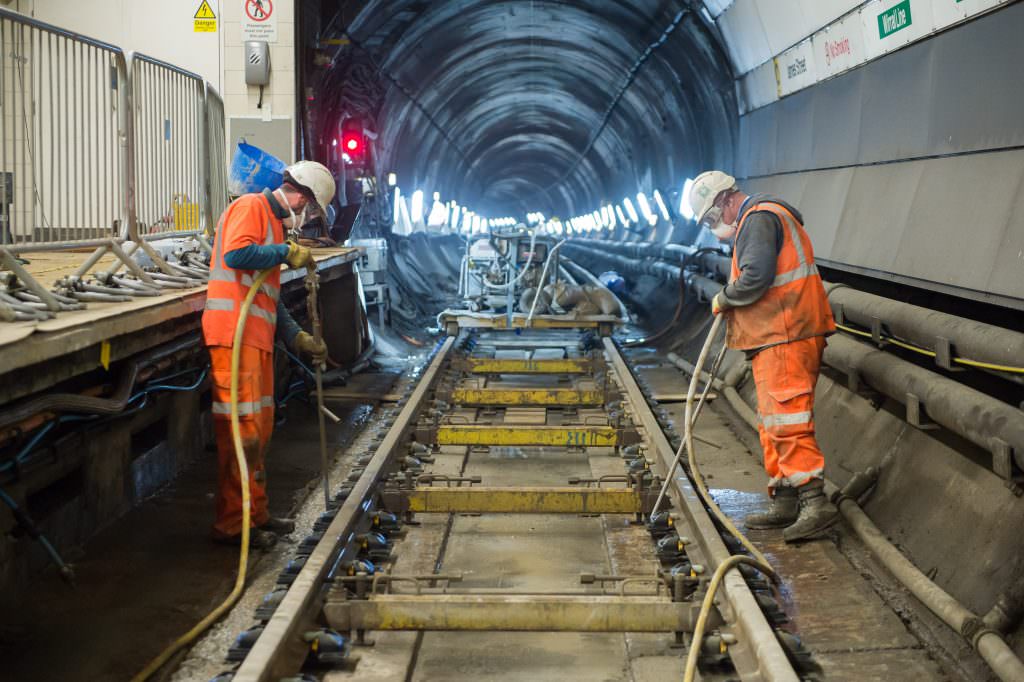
<point x="989" y="643"/>
<point x="981" y="419"/>
<point x="954" y="340"/>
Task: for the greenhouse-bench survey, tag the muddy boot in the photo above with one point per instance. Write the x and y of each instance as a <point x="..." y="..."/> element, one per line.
<point x="258" y="539"/>
<point x="782" y="511"/>
<point x="816" y="512"/>
<point x="278" y="525"/>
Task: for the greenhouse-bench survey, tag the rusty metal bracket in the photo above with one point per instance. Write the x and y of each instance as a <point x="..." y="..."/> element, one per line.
<point x="519" y="500"/>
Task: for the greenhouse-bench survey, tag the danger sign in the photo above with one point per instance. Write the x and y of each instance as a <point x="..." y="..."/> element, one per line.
<point x="204" y="20"/>
<point x="259" y="22"/>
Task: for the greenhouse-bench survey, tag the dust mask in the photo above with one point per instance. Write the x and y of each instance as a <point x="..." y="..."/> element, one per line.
<point x="292" y="222"/>
<point x="724" y="231"/>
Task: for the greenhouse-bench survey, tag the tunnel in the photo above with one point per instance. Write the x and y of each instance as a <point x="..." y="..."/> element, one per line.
<point x="512" y="339"/>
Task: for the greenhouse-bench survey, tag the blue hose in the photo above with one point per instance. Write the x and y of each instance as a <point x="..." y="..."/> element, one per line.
<point x="26" y="522"/>
<point x="23" y="519"/>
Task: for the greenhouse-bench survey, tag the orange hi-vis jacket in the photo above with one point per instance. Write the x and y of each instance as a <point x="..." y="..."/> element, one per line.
<point x="248" y="220"/>
<point x="795" y="306"/>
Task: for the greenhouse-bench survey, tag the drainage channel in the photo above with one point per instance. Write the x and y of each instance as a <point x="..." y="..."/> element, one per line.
<point x="503" y="522"/>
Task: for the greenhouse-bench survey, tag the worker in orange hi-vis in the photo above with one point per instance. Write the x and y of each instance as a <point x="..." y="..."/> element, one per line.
<point x="251" y="237"/>
<point x="778" y="314"/>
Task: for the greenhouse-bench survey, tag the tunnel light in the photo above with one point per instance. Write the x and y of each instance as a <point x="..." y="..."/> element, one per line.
<point x="392" y="178"/>
<point x="395" y="202"/>
<point x="630" y="210"/>
<point x="645" y="207"/>
<point x="416" y="212"/>
<point x="661" y="205"/>
<point x="437" y="196"/>
<point x="598" y="222"/>
<point x="685" y="209"/>
<point x="438" y="215"/>
<point x="622" y="216"/>
<point x="334" y="142"/>
<point x="455" y="216"/>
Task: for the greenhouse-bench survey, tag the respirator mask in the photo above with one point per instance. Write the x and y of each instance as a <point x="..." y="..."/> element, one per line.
<point x="293" y="222"/>
<point x="713" y="221"/>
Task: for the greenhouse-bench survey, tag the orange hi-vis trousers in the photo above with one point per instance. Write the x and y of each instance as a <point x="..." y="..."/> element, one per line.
<point x="785" y="376"/>
<point x="256" y="417"/>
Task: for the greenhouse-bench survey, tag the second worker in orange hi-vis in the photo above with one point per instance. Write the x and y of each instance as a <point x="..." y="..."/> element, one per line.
<point x="251" y="237"/>
<point x="778" y="314"/>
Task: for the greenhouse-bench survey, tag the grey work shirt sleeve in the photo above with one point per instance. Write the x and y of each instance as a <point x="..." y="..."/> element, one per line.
<point x="757" y="252"/>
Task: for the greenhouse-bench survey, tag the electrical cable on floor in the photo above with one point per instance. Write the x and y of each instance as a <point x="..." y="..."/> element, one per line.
<point x="930" y="353"/>
<point x="243" y="474"/>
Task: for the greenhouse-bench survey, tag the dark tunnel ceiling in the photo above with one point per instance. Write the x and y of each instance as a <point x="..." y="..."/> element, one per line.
<point x="522" y="86"/>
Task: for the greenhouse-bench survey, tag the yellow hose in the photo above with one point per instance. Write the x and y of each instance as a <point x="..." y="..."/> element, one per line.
<point x="243" y="473"/>
<point x="709" y="600"/>
<point x="688" y="443"/>
<point x="759" y="561"/>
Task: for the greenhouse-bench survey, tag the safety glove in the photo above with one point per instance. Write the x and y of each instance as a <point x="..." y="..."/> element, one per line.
<point x="298" y="256"/>
<point x="716" y="304"/>
<point x="307" y="344"/>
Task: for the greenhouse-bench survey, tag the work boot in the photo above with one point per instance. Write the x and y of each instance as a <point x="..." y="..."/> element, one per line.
<point x="816" y="512"/>
<point x="782" y="511"/>
<point x="258" y="539"/>
<point x="278" y="525"/>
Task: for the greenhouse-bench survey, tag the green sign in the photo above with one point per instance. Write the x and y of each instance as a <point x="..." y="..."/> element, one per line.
<point x="894" y="19"/>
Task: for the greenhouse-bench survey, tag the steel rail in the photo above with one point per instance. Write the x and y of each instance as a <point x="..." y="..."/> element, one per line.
<point x="281" y="642"/>
<point x="757" y="654"/>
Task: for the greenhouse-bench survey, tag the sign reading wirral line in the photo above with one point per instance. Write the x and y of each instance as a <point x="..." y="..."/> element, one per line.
<point x="894" y="19"/>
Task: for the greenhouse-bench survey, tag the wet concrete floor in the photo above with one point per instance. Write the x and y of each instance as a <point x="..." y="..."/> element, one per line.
<point x="155" y="572"/>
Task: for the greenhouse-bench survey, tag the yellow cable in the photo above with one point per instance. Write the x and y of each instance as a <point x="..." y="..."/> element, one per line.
<point x="759" y="560"/>
<point x="709" y="600"/>
<point x="243" y="473"/>
<point x="930" y="353"/>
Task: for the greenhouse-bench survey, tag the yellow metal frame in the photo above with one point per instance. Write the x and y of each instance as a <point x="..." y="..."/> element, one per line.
<point x="469" y="320"/>
<point x="523" y="366"/>
<point x="527" y="396"/>
<point x="523" y="500"/>
<point x="540" y="436"/>
<point x="515" y="613"/>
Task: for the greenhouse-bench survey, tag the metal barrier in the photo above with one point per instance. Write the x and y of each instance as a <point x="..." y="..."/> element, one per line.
<point x="99" y="147"/>
<point x="218" y="167"/>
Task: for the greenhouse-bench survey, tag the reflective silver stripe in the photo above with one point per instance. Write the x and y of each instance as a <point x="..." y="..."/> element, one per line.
<point x="245" y="408"/>
<point x="793" y="275"/>
<point x="804" y="476"/>
<point x="220" y="304"/>
<point x="269" y="239"/>
<point x="269" y="316"/>
<point x="220" y="274"/>
<point x="789" y="419"/>
<point x="801" y="271"/>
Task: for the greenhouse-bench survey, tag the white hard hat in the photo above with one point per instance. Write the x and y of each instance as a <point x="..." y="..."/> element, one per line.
<point x="315" y="179"/>
<point x="706" y="187"/>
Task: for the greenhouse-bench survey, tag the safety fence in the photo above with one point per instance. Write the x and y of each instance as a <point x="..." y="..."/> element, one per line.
<point x="101" y="149"/>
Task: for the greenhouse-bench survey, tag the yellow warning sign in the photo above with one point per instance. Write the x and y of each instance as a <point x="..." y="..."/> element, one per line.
<point x="205" y="21"/>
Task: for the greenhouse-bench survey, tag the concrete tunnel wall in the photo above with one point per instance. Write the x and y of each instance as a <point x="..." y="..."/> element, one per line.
<point x="905" y="163"/>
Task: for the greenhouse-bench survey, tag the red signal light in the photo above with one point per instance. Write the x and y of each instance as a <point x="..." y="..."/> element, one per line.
<point x="352" y="144"/>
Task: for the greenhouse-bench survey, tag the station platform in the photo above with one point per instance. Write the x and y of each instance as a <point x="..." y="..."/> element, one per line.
<point x="104" y="333"/>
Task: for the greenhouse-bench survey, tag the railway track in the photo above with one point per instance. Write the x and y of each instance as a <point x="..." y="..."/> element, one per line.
<point x="511" y="491"/>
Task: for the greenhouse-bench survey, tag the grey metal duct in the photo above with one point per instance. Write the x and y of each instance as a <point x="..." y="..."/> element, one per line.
<point x="983" y="420"/>
<point x="928" y="328"/>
